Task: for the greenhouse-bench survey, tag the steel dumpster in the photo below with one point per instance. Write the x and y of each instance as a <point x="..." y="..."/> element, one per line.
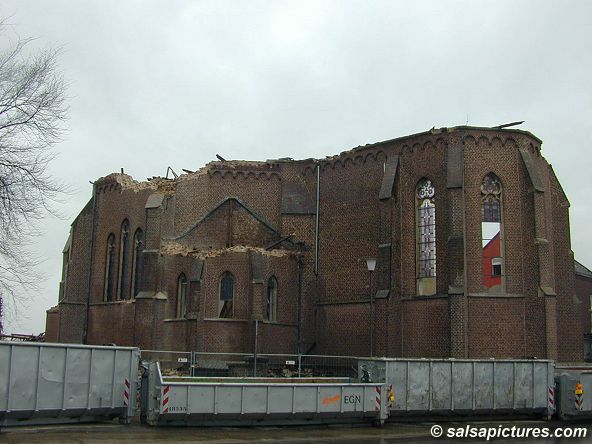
<point x="464" y="388"/>
<point x="58" y="383"/>
<point x="574" y="391"/>
<point x="180" y="401"/>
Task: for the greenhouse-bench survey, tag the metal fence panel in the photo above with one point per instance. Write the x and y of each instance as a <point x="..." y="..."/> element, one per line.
<point x="542" y="377"/>
<point x="483" y="385"/>
<point x="441" y="377"/>
<point x="462" y="386"/>
<point x="172" y="362"/>
<point x="418" y="393"/>
<point x="241" y="365"/>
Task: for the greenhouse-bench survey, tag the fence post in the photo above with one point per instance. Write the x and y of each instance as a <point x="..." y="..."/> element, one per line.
<point x="191" y="364"/>
<point x="299" y="365"/>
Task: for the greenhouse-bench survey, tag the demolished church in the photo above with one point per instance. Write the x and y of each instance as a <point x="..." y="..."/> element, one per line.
<point x="469" y="227"/>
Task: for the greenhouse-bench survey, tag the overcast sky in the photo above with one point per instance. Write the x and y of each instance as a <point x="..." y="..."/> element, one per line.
<point x="159" y="83"/>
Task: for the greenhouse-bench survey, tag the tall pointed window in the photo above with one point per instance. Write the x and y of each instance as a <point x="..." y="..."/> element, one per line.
<point x="491" y="233"/>
<point x="109" y="284"/>
<point x="426" y="238"/>
<point x="123" y="259"/>
<point x="138" y="246"/>
<point x="272" y="290"/>
<point x="181" y="296"/>
<point x="226" y="303"/>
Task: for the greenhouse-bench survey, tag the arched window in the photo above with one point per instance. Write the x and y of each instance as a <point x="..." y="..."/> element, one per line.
<point x="225" y="305"/>
<point x="123" y="258"/>
<point x="271" y="308"/>
<point x="491" y="232"/>
<point x="137" y="262"/>
<point x="109" y="285"/>
<point x="181" y="296"/>
<point x="426" y="238"/>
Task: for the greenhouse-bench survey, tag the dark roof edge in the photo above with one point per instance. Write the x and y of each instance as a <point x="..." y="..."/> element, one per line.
<point x="445" y="130"/>
<point x="582" y="270"/>
<point x="432" y="132"/>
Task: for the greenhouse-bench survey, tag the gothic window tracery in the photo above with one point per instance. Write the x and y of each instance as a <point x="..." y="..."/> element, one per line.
<point x="426" y="237"/>
<point x="426" y="225"/>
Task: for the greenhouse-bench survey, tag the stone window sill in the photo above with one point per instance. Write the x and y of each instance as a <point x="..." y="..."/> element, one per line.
<point x="122" y="301"/>
<point x="227" y="320"/>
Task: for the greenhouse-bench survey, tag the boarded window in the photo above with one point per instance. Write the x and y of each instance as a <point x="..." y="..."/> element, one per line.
<point x="226" y="303"/>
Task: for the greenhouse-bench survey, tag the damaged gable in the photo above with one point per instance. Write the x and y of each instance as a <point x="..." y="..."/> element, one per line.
<point x="229" y="223"/>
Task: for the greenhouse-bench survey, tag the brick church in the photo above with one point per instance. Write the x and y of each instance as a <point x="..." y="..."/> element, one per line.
<point x="469" y="229"/>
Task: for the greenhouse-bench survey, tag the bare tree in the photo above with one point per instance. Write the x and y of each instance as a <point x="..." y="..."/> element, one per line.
<point x="32" y="115"/>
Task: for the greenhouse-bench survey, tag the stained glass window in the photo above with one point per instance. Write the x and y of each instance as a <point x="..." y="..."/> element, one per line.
<point x="426" y="229"/>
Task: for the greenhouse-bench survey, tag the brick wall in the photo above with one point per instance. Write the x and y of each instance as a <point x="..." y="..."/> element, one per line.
<point x="119" y="316"/>
<point x="425" y="328"/>
<point x="52" y="325"/>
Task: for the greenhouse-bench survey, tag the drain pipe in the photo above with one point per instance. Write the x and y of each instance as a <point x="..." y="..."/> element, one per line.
<point x="317" y="221"/>
<point x="317" y="249"/>
<point x="299" y="308"/>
